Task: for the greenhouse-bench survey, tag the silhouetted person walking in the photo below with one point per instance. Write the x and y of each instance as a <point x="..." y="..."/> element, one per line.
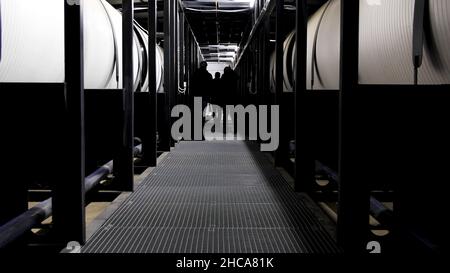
<point x="217" y="93"/>
<point x="229" y="83"/>
<point x="202" y="83"/>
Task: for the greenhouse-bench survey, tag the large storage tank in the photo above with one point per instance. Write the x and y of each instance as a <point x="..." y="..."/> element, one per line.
<point x="386" y="34"/>
<point x="33" y="44"/>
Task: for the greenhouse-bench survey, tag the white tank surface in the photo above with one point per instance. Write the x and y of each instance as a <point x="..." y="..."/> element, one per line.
<point x="33" y="44"/>
<point x="385" y="50"/>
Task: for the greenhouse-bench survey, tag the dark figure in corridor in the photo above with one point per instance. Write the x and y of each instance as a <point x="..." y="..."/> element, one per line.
<point x="202" y="83"/>
<point x="229" y="85"/>
<point x="217" y="93"/>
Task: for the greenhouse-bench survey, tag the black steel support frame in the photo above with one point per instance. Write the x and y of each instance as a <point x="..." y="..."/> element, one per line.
<point x="280" y="154"/>
<point x="191" y="59"/>
<point x="187" y="61"/>
<point x="68" y="194"/>
<point x="266" y="52"/>
<point x="353" y="209"/>
<point x="264" y="16"/>
<point x="1" y="36"/>
<point x="304" y="159"/>
<point x="181" y="55"/>
<point x="125" y="164"/>
<point x="180" y="48"/>
<point x="253" y="63"/>
<point x="21" y="224"/>
<point x="252" y="66"/>
<point x="421" y="115"/>
<point x="68" y="197"/>
<point x="305" y="164"/>
<point x="176" y="62"/>
<point x="164" y="110"/>
<point x="150" y="148"/>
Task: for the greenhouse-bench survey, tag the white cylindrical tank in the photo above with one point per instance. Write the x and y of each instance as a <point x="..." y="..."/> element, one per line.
<point x="288" y="64"/>
<point x="385" y="50"/>
<point x="33" y="44"/>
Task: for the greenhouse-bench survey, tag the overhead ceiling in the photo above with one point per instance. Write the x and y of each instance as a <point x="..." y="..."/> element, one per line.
<point x="219" y="25"/>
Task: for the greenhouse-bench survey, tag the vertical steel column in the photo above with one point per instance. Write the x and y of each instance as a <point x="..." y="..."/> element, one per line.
<point x="149" y="149"/>
<point x="267" y="55"/>
<point x="1" y="31"/>
<point x="187" y="73"/>
<point x="304" y="161"/>
<point x="196" y="57"/>
<point x="187" y="60"/>
<point x="262" y="57"/>
<point x="258" y="67"/>
<point x="68" y="193"/>
<point x="192" y="63"/>
<point x="175" y="64"/>
<point x="279" y="37"/>
<point x="255" y="12"/>
<point x="181" y="54"/>
<point x="125" y="165"/>
<point x="164" y="133"/>
<point x="353" y="207"/>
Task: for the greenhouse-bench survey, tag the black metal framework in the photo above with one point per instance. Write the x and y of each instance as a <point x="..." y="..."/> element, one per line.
<point x="150" y="148"/>
<point x="376" y="151"/>
<point x="181" y="52"/>
<point x="304" y="160"/>
<point x="60" y="117"/>
<point x="166" y="97"/>
<point x="68" y="194"/>
<point x="271" y="24"/>
<point x="1" y="31"/>
<point x="280" y="154"/>
<point x="181" y="59"/>
<point x="407" y="141"/>
<point x="353" y="201"/>
<point x="124" y="170"/>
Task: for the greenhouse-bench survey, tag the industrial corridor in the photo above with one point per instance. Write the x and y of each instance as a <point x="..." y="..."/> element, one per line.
<point x="182" y="131"/>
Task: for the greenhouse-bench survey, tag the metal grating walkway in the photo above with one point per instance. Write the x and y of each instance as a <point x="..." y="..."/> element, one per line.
<point x="213" y="197"/>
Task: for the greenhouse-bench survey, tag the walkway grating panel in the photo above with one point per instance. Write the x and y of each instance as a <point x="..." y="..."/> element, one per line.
<point x="213" y="197"/>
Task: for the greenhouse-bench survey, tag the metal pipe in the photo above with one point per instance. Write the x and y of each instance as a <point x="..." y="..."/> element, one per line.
<point x="379" y="211"/>
<point x="331" y="213"/>
<point x="18" y="226"/>
<point x="93" y="179"/>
